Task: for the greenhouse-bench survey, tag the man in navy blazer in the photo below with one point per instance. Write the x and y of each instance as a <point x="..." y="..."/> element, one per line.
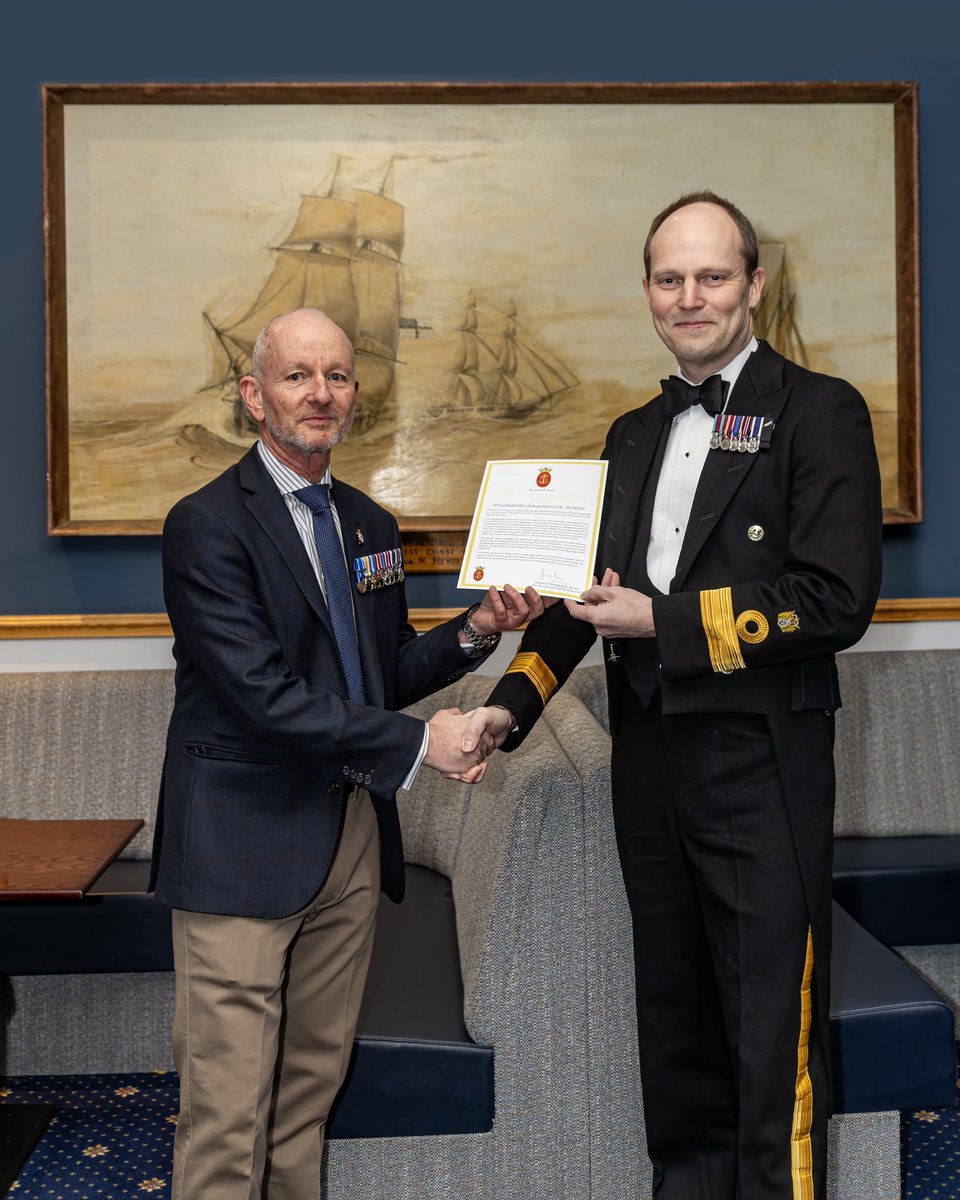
<point x="277" y="823"/>
<point x="740" y="549"/>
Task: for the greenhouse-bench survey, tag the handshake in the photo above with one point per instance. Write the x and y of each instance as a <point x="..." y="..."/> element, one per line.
<point x="460" y="742"/>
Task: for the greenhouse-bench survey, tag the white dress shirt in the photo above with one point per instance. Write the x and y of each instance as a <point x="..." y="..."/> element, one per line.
<point x="688" y="444"/>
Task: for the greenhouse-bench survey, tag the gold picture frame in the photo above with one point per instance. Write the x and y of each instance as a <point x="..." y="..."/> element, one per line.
<point x="482" y="245"/>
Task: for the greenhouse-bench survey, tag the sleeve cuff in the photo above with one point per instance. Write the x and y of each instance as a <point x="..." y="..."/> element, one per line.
<point x="418" y="761"/>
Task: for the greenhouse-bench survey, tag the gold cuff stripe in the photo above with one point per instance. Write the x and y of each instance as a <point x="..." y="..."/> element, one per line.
<point x="801" y="1153"/>
<point x="716" y="613"/>
<point x="751" y="617"/>
<point x="536" y="670"/>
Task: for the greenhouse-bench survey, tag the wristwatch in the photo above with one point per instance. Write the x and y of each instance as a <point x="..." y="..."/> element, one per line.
<point x="480" y="642"/>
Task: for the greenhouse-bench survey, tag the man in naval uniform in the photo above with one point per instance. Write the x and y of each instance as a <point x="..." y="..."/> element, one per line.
<point x="740" y="549"/>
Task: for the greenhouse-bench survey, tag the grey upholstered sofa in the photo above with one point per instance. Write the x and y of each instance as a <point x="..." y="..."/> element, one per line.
<point x="897" y="859"/>
<point x="543" y="935"/>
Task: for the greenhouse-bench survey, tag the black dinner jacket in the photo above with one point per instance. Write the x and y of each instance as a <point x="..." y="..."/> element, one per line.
<point x="263" y="744"/>
<point x="814" y="493"/>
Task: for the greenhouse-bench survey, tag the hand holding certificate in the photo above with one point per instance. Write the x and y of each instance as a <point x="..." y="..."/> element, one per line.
<point x="537" y="525"/>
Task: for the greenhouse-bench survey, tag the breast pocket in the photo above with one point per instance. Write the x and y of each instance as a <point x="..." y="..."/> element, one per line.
<point x="232" y="754"/>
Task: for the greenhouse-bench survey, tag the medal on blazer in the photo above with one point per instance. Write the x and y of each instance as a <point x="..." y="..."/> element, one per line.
<point x="375" y="571"/>
<point x="741" y="434"/>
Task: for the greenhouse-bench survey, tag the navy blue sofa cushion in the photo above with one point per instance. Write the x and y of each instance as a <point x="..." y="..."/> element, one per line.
<point x="905" y="890"/>
<point x="414" y="1069"/>
<point x="892" y="1035"/>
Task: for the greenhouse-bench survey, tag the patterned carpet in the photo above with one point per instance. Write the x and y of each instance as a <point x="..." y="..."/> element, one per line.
<point x="112" y="1139"/>
<point x="930" y="1151"/>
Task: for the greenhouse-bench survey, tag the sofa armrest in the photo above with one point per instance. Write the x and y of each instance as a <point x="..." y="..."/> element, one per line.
<point x="511" y="846"/>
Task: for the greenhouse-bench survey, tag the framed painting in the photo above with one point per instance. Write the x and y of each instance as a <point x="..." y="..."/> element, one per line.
<point x="481" y="244"/>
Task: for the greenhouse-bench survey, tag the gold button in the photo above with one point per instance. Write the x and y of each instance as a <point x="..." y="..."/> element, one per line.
<point x="755" y="533"/>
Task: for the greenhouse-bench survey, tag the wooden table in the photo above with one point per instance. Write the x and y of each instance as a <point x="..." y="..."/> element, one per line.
<point x="57" y="860"/>
<point x="48" y="860"/>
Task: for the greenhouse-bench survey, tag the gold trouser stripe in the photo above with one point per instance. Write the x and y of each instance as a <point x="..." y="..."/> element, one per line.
<point x="801" y="1153"/>
<point x="716" y="613"/>
<point x="536" y="670"/>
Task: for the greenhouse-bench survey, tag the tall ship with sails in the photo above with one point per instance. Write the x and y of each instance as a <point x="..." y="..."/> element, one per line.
<point x="342" y="255"/>
<point x="775" y="318"/>
<point x="501" y="370"/>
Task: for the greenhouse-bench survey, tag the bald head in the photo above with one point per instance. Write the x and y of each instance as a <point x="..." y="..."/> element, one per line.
<point x="301" y="390"/>
<point x="748" y="235"/>
<point x="301" y="322"/>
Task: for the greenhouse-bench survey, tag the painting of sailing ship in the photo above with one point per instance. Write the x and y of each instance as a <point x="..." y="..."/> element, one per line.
<point x="502" y="371"/>
<point x="485" y="259"/>
<point x="775" y="318"/>
<point x="342" y="255"/>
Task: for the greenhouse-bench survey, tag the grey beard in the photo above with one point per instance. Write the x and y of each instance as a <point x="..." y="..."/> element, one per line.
<point x="302" y="444"/>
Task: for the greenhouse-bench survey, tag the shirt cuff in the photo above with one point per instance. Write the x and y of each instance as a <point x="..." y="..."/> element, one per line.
<point x="472" y="651"/>
<point x="424" y="745"/>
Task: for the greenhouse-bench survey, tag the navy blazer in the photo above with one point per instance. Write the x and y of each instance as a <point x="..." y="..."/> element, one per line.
<point x="263" y="744"/>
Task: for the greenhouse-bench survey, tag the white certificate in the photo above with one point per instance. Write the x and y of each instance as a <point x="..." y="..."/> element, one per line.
<point x="536" y="522"/>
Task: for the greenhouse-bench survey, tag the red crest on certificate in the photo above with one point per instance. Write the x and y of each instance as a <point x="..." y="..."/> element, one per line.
<point x="543" y="479"/>
<point x="478" y="573"/>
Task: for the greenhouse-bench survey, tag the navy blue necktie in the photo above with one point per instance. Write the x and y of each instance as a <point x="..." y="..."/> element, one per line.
<point x="336" y="585"/>
<point x="680" y="395"/>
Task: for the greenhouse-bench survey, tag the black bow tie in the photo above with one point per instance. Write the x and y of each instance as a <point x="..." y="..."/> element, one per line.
<point x="680" y="395"/>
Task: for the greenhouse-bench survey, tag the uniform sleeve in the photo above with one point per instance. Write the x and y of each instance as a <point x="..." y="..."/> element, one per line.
<point x="551" y="648"/>
<point x="821" y="589"/>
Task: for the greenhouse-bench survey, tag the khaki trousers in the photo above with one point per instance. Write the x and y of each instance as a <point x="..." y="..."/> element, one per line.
<point x="266" y="1012"/>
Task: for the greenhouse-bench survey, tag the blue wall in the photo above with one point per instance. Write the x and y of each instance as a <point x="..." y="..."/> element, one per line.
<point x="423" y="40"/>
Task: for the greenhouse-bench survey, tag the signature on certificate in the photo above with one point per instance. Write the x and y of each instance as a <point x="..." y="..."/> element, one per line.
<point x="550" y="579"/>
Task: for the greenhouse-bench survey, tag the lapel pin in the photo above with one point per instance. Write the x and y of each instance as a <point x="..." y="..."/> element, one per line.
<point x="359" y="532"/>
<point x="755" y="533"/>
